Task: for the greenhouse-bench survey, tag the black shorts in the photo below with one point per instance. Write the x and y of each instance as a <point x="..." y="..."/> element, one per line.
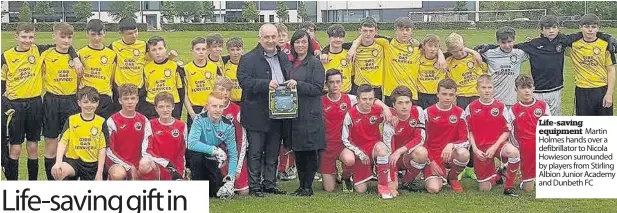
<point x="116" y="104"/>
<point x="56" y="110"/>
<point x="106" y="107"/>
<point x="83" y="170"/>
<point x="588" y="102"/>
<point x="148" y="110"/>
<point x="27" y="120"/>
<point x="203" y="168"/>
<point x="189" y="120"/>
<point x="462" y="102"/>
<point x="427" y="100"/>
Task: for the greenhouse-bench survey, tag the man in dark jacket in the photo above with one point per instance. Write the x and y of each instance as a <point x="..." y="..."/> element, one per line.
<point x="262" y="68"/>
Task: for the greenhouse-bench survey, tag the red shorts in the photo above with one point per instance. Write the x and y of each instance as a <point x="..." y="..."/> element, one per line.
<point x="528" y="162"/>
<point x="436" y="160"/>
<point x="485" y="170"/>
<point x="242" y="178"/>
<point x="328" y="159"/>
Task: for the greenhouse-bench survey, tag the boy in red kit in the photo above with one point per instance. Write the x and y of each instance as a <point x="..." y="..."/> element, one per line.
<point x="489" y="131"/>
<point x="446" y="140"/>
<point x="364" y="147"/>
<point x="165" y="143"/>
<point x="406" y="138"/>
<point x="126" y="134"/>
<point x="525" y="115"/>
<point x="232" y="113"/>
<point x="335" y="105"/>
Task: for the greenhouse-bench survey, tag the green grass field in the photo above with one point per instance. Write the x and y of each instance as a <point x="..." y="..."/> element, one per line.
<point x="469" y="201"/>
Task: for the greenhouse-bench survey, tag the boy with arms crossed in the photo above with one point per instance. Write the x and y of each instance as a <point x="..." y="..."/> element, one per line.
<point x="22" y="86"/>
<point x="446" y="140"/>
<point x="81" y="153"/>
<point x="99" y="65"/>
<point x="525" y="115"/>
<point x="489" y="127"/>
<point x="126" y="134"/>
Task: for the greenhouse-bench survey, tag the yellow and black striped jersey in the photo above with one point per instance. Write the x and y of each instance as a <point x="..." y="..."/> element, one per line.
<point x="84" y="138"/>
<point x="163" y="77"/>
<point x="60" y="76"/>
<point x="400" y="59"/>
<point x="199" y="82"/>
<point x="590" y="60"/>
<point x="368" y="65"/>
<point x="339" y="61"/>
<point x="131" y="59"/>
<point x="99" y="66"/>
<point x="465" y="73"/>
<point x="231" y="72"/>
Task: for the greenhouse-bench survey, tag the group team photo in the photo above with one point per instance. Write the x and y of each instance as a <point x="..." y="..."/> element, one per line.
<point x="408" y="113"/>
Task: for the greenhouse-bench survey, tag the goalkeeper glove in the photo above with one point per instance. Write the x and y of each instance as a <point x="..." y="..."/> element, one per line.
<point x="174" y="172"/>
<point x="227" y="190"/>
<point x="220" y="156"/>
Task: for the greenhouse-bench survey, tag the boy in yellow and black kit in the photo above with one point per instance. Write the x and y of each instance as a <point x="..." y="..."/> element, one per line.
<point x="200" y="75"/>
<point x="235" y="48"/>
<point x="22" y="87"/>
<point x="81" y="153"/>
<point x="99" y="65"/>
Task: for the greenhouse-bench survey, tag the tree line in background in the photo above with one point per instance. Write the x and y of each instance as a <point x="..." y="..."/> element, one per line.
<point x="203" y="11"/>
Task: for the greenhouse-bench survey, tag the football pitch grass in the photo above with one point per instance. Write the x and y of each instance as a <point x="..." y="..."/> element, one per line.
<point x="447" y="201"/>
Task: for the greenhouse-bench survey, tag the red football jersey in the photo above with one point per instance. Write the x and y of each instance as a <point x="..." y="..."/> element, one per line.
<point x="232" y="113"/>
<point x="408" y="133"/>
<point x="444" y="126"/>
<point x="166" y="143"/>
<point x="362" y="130"/>
<point x="125" y="138"/>
<point x="334" y="113"/>
<point x="525" y="118"/>
<point x="486" y="121"/>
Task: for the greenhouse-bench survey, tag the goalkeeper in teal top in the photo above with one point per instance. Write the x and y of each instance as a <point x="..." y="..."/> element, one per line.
<point x="213" y="139"/>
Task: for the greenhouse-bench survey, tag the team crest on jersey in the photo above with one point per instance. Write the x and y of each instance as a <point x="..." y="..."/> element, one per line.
<point x="537" y="112"/>
<point x="344" y="62"/>
<point x="138" y="126"/>
<point x="175" y="133"/>
<point x="558" y="48"/>
<point x="136" y="52"/>
<point x="596" y="51"/>
<point x="104" y="59"/>
<point x="513" y="59"/>
<point x="410" y="49"/>
<point x="453" y="119"/>
<point x="494" y="112"/>
<point x="31" y="59"/>
<point x="94" y="131"/>
<point x="470" y="65"/>
<point x="71" y="63"/>
<point x="375" y="53"/>
<point x="372" y="120"/>
<point x="220" y="134"/>
<point x="413" y="123"/>
<point x="167" y="73"/>
<point x="343" y="106"/>
<point x="208" y="75"/>
<point x="230" y="117"/>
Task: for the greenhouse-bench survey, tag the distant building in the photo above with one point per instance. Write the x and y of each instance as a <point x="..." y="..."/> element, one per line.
<point x="231" y="11"/>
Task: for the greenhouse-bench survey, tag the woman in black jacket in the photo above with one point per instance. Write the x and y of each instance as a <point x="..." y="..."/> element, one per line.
<point x="307" y="131"/>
